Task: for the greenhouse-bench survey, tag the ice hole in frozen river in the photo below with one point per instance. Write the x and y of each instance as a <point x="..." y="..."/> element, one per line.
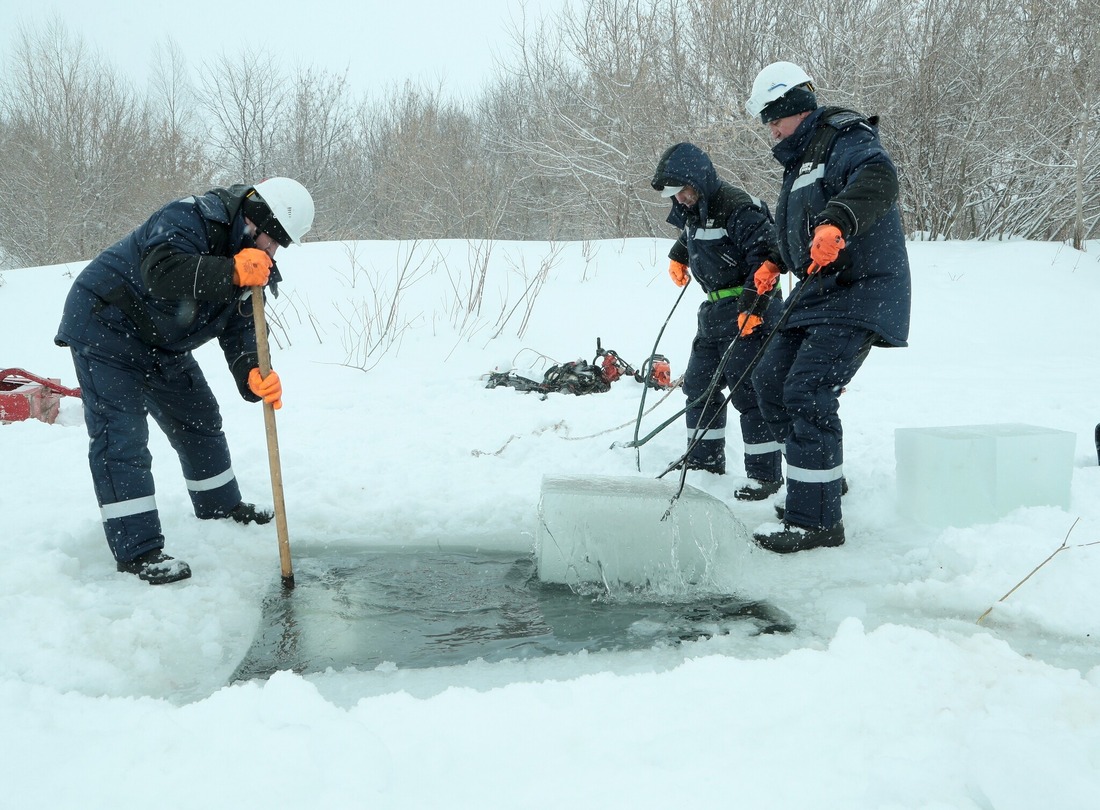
<point x="607" y="574"/>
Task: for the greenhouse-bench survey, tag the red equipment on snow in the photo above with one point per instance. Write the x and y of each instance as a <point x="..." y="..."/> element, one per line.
<point x="27" y="396"/>
<point x="611" y="365"/>
<point x="582" y="377"/>
<point x="660" y="372"/>
<point x="614" y="367"/>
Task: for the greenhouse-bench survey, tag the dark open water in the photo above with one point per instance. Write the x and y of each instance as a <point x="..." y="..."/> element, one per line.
<point x="428" y="608"/>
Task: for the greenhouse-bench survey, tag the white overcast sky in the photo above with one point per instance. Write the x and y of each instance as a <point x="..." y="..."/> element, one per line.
<point x="380" y="43"/>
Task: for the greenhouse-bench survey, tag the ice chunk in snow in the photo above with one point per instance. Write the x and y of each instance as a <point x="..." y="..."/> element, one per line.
<point x="609" y="530"/>
<point x="970" y="474"/>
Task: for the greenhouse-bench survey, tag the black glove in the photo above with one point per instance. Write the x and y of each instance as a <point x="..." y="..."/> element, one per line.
<point x="751" y="302"/>
<point x="240" y="370"/>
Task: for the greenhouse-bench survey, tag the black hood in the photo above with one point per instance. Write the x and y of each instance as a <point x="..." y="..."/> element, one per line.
<point x="685" y="164"/>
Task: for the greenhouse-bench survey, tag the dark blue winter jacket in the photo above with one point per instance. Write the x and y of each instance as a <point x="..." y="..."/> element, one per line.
<point x="168" y="286"/>
<point x="724" y="238"/>
<point x="853" y="186"/>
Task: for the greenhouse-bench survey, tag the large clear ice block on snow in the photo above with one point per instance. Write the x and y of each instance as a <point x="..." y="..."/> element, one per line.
<point x="609" y="530"/>
<point x="965" y="475"/>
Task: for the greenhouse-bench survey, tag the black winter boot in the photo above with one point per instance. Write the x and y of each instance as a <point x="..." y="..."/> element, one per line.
<point x="156" y="568"/>
<point x="793" y="538"/>
<point x="757" y="490"/>
<point x="250" y="513"/>
<point x="717" y="468"/>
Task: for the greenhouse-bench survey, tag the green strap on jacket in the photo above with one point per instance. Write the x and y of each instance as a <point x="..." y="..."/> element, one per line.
<point x="730" y="292"/>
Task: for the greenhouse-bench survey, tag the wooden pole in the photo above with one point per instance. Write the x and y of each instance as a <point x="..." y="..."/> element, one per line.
<point x="264" y="353"/>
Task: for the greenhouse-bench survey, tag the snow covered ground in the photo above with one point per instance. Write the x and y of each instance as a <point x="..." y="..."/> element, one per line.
<point x="889" y="694"/>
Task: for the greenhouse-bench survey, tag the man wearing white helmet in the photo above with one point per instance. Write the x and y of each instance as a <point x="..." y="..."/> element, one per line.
<point x="132" y="319"/>
<point x="840" y="233"/>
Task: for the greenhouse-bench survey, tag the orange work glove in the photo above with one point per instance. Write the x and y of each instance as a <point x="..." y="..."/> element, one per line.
<point x="750" y="309"/>
<point x="268" y="388"/>
<point x="765" y="276"/>
<point x="679" y="273"/>
<point x="747" y="322"/>
<point x="827" y="244"/>
<point x="251" y="267"/>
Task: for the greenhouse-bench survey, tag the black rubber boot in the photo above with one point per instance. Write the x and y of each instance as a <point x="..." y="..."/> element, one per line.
<point x="757" y="490"/>
<point x="792" y="538"/>
<point x="249" y="513"/>
<point x="717" y="468"/>
<point x="156" y="568"/>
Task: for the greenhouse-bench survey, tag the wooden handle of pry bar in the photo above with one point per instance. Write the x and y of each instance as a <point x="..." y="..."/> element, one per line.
<point x="264" y="353"/>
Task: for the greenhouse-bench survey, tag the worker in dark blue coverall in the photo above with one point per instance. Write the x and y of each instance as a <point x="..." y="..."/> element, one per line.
<point x="840" y="232"/>
<point x="726" y="235"/>
<point x="132" y="319"/>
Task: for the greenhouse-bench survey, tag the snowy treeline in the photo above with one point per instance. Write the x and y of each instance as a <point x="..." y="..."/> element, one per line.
<point x="991" y="109"/>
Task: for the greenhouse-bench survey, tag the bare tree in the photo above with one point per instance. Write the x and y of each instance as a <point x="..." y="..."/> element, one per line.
<point x="990" y="108"/>
<point x="315" y="131"/>
<point x="1061" y="119"/>
<point x="244" y="98"/>
<point x="77" y="142"/>
<point x="429" y="169"/>
<point x="181" y="166"/>
<point x="599" y="113"/>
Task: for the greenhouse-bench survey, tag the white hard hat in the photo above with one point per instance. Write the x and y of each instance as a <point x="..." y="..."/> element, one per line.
<point x="772" y="82"/>
<point x="290" y="203"/>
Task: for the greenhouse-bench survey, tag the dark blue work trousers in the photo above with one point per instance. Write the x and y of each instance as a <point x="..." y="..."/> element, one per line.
<point x="118" y="395"/>
<point x="799" y="380"/>
<point x="706" y="420"/>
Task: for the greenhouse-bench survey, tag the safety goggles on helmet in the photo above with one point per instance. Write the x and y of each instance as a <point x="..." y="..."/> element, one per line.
<point x="264" y="220"/>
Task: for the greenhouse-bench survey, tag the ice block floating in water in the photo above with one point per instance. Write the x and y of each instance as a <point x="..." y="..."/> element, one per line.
<point x="608" y="530"/>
